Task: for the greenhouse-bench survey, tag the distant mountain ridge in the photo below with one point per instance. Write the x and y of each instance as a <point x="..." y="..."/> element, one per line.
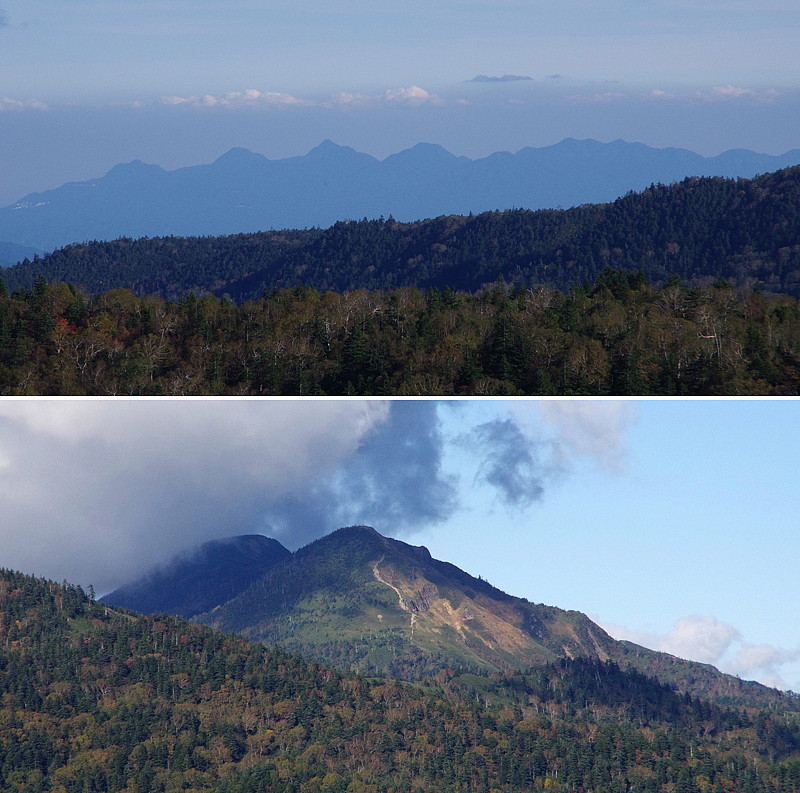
<point x="356" y="599"/>
<point x="246" y="192"/>
<point x="700" y="230"/>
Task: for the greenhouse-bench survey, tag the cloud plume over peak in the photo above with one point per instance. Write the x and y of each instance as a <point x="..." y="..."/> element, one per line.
<point x="98" y="491"/>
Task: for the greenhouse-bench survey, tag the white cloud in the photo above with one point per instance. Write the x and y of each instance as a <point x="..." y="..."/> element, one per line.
<point x="763" y="662"/>
<point x="350" y="99"/>
<point x="588" y="429"/>
<point x="248" y="98"/>
<point x="657" y="93"/>
<point x="731" y="91"/>
<point x="26" y="104"/>
<point x="711" y="641"/>
<point x="722" y="93"/>
<point x="704" y="639"/>
<point x="413" y="95"/>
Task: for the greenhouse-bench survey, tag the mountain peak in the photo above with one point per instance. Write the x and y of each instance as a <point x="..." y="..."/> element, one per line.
<point x="367" y="532"/>
<point x="357" y="599"/>
<point x="330" y="151"/>
<point x="423" y="153"/>
<point x="240" y="156"/>
<point x="133" y="169"/>
<point x="355" y="582"/>
<point x="328" y="147"/>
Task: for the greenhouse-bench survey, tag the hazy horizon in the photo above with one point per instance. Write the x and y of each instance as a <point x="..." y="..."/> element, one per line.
<point x="179" y="84"/>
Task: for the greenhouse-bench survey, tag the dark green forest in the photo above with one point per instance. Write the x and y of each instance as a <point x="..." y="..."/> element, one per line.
<point x="701" y="230"/>
<point x="617" y="336"/>
<point x="100" y="700"/>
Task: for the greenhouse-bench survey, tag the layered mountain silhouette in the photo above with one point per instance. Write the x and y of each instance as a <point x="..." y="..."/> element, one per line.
<point x="245" y="192"/>
<point x="362" y="601"/>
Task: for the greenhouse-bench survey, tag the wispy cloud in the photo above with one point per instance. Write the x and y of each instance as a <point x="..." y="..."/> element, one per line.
<point x="248" y="98"/>
<point x="657" y="93"/>
<point x="539" y="442"/>
<point x="712" y="641"/>
<point x="509" y="462"/>
<point x="7" y="103"/>
<point x="586" y="429"/>
<point x="412" y="95"/>
<point x="505" y="78"/>
<point x="722" y="93"/>
<point x="597" y="97"/>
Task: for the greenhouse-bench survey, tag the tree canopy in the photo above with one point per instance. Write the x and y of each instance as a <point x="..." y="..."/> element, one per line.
<point x="618" y="336"/>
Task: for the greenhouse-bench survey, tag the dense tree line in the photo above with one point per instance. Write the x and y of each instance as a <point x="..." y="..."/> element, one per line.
<point x="97" y="700"/>
<point x="702" y="229"/>
<point x="619" y="336"/>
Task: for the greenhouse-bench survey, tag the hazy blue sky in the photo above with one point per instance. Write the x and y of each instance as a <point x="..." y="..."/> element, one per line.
<point x="85" y="84"/>
<point x="672" y="523"/>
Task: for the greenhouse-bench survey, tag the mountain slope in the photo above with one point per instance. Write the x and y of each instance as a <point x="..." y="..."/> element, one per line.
<point x="93" y="700"/>
<point x="363" y="601"/>
<point x="243" y="192"/>
<point x="355" y="583"/>
<point x="214" y="573"/>
<point x="701" y="230"/>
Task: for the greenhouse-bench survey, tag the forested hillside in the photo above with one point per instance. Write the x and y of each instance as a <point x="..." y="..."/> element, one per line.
<point x="619" y="336"/>
<point x="700" y="230"/>
<point x="97" y="700"/>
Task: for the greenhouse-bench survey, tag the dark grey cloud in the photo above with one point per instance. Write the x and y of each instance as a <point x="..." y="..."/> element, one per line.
<point x="394" y="481"/>
<point x="510" y="462"/>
